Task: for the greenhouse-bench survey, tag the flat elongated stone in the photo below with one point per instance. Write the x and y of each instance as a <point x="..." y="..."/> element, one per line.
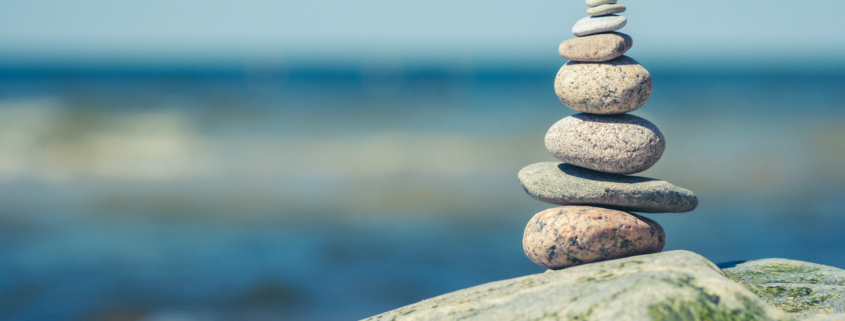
<point x="596" y="48"/>
<point x="606" y="9"/>
<point x="612" y="87"/>
<point x="619" y="144"/>
<point x="567" y="236"/>
<point x="674" y="285"/>
<point x="565" y="184"/>
<point x="591" y="25"/>
<point x="593" y="3"/>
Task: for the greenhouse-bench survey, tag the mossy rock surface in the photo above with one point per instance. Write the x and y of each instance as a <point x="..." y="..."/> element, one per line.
<point x="675" y="285"/>
<point x="800" y="288"/>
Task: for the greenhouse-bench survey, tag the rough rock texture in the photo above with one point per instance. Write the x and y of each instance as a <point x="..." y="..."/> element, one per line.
<point x="567" y="236"/>
<point x="606" y="9"/>
<point x="676" y="285"/>
<point x="832" y="317"/>
<point x="596" y="48"/>
<point x="612" y="87"/>
<point x="619" y="144"/>
<point x="801" y="288"/>
<point x="565" y="184"/>
<point x="592" y="25"/>
<point x="593" y="3"/>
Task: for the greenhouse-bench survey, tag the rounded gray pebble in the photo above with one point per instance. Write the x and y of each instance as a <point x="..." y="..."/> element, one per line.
<point x="612" y="87"/>
<point x="565" y="184"/>
<point x="592" y="25"/>
<point x="606" y="9"/>
<point x="593" y="3"/>
<point x="618" y="144"/>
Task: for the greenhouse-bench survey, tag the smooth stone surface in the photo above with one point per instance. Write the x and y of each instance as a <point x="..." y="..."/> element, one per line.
<point x="616" y="86"/>
<point x="675" y="285"/>
<point x="618" y="144"/>
<point x="593" y="3"/>
<point x="567" y="236"/>
<point x="592" y="25"/>
<point x="801" y="288"/>
<point x="596" y="48"/>
<point x="606" y="9"/>
<point x="565" y="184"/>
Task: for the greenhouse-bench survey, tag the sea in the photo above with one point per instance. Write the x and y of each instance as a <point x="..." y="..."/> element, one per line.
<point x="335" y="191"/>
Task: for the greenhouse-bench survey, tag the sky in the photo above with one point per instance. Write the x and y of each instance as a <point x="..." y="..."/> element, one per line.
<point x="82" y="30"/>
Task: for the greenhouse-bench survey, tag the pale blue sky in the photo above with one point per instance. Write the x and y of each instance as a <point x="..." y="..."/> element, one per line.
<point x="420" y="29"/>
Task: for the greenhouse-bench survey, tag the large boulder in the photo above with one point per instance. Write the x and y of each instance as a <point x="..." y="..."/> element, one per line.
<point x="801" y="288"/>
<point x="675" y="285"/>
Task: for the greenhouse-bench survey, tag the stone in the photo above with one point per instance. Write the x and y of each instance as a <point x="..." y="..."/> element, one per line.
<point x="593" y="3"/>
<point x="606" y="9"/>
<point x="592" y="25"/>
<point x="618" y="144"/>
<point x="596" y="48"/>
<point x="674" y="285"/>
<point x="565" y="184"/>
<point x="801" y="288"/>
<point x="616" y="86"/>
<point x="832" y="317"/>
<point x="567" y="236"/>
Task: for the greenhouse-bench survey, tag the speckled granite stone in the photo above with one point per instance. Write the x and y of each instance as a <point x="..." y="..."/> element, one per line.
<point x="673" y="285"/>
<point x="606" y="9"/>
<point x="619" y="144"/>
<point x="593" y="3"/>
<point x="592" y="25"/>
<point x="801" y="288"/>
<point x="613" y="87"/>
<point x="596" y="48"/>
<point x="564" y="184"/>
<point x="567" y="236"/>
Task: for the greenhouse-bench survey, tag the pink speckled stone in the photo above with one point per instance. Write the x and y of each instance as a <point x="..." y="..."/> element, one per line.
<point x="566" y="236"/>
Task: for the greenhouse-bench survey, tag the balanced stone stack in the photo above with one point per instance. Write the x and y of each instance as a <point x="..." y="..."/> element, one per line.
<point x="599" y="146"/>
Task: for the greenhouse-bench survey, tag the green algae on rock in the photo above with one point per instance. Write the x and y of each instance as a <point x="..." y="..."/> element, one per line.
<point x="801" y="288"/>
<point x="675" y="285"/>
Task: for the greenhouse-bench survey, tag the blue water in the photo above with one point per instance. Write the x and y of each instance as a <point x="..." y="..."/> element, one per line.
<point x="212" y="194"/>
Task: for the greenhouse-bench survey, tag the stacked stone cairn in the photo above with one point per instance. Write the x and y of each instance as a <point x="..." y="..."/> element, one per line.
<point x="598" y="147"/>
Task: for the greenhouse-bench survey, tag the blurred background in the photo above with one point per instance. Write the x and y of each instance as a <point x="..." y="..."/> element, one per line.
<point x="331" y="160"/>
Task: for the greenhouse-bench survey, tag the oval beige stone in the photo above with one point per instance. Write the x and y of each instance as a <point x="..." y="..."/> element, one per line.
<point x="593" y="3"/>
<point x="567" y="236"/>
<point x="613" y="87"/>
<point x="606" y="9"/>
<point x="618" y="144"/>
<point x="596" y="48"/>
